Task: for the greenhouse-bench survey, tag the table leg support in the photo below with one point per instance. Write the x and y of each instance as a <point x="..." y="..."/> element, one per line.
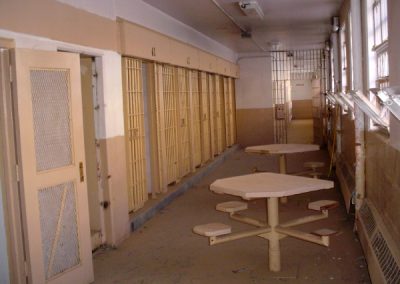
<point x="282" y="170"/>
<point x="273" y="221"/>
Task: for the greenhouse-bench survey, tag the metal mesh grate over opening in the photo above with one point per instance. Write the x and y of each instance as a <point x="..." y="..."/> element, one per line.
<point x="368" y="219"/>
<point x="59" y="230"/>
<point x="51" y="118"/>
<point x="388" y="264"/>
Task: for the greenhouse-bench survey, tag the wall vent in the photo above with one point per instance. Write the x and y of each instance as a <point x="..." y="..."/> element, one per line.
<point x="379" y="242"/>
<point x="389" y="267"/>
<point x="368" y="219"/>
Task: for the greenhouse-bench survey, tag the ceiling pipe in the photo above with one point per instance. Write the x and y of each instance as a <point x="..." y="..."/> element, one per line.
<point x="244" y="31"/>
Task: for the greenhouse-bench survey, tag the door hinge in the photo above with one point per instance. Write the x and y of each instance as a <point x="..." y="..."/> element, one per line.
<point x="17" y="172"/>
<point x="26" y="269"/>
<point x="81" y="173"/>
<point x="11" y="74"/>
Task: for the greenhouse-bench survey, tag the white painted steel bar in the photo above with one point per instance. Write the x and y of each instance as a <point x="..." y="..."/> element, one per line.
<point x="238" y="235"/>
<point x="323" y="241"/>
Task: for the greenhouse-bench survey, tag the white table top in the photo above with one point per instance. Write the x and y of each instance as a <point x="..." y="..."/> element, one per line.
<point x="263" y="185"/>
<point x="282" y="148"/>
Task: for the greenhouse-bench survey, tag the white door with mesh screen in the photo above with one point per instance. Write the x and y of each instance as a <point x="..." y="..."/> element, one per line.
<point x="51" y="158"/>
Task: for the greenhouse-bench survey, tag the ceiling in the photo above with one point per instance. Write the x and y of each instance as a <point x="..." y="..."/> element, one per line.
<point x="287" y="24"/>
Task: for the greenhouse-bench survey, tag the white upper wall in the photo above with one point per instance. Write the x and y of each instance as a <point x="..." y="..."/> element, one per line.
<point x="254" y="88"/>
<point x="143" y="14"/>
<point x="301" y="90"/>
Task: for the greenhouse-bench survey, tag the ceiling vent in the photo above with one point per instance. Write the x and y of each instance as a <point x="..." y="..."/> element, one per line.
<point x="251" y="8"/>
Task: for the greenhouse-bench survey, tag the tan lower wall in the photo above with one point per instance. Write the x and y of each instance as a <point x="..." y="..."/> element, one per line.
<point x="114" y="182"/>
<point x="254" y="126"/>
<point x="383" y="180"/>
<point x="302" y="109"/>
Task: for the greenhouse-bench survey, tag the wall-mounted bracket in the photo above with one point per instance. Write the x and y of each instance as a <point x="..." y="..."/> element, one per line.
<point x="390" y="97"/>
<point x="368" y="108"/>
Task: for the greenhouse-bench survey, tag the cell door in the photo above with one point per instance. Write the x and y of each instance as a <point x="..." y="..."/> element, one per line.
<point x="170" y="124"/>
<point x="135" y="132"/>
<point x="227" y="111"/>
<point x="51" y="157"/>
<point x="205" y="118"/>
<point x="219" y="122"/>
<point x="183" y="114"/>
<point x="195" y="117"/>
<point x="213" y="127"/>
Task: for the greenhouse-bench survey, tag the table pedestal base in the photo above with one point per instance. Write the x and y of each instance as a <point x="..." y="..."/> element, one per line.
<point x="273" y="231"/>
<point x="273" y="221"/>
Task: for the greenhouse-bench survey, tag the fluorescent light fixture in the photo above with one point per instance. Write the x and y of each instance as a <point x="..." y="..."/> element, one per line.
<point x="391" y="99"/>
<point x="251" y="8"/>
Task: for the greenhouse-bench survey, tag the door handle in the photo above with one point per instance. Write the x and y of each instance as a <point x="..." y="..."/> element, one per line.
<point x="81" y="175"/>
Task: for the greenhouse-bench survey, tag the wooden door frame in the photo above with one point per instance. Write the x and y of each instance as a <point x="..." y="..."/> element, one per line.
<point x="12" y="208"/>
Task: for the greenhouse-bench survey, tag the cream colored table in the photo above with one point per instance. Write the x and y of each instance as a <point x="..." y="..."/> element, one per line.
<point x="271" y="186"/>
<point x="282" y="150"/>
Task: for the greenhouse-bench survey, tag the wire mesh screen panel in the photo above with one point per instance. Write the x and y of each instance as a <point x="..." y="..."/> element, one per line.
<point x="51" y="118"/>
<point x="196" y="119"/>
<point x="213" y="116"/>
<point x="227" y="111"/>
<point x="183" y="122"/>
<point x="170" y="106"/>
<point x="135" y="133"/>
<point x="59" y="229"/>
<point x="205" y="118"/>
<point x="288" y="66"/>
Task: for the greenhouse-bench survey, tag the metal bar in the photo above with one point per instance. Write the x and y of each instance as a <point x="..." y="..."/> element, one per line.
<point x="323" y="241"/>
<point x="304" y="220"/>
<point x="238" y="235"/>
<point x="273" y="221"/>
<point x="247" y="220"/>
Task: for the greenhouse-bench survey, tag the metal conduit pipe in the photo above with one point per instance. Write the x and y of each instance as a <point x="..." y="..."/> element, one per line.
<point x="359" y="121"/>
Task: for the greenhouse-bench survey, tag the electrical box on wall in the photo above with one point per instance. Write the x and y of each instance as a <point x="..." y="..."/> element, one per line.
<point x="280" y="111"/>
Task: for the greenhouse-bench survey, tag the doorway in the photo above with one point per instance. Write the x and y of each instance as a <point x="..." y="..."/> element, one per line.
<point x="90" y="103"/>
<point x="298" y="80"/>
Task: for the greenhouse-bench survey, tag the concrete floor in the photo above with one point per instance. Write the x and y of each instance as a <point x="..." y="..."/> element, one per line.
<point x="165" y="250"/>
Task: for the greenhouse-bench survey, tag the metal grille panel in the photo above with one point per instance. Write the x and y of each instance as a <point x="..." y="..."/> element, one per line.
<point x="232" y="110"/>
<point x="213" y="115"/>
<point x="51" y="118"/>
<point x="183" y="109"/>
<point x="196" y="124"/>
<point x="205" y="119"/>
<point x="170" y="126"/>
<point x="219" y="110"/>
<point x="59" y="229"/>
<point x="227" y="111"/>
<point x="390" y="268"/>
<point x="368" y="219"/>
<point x="134" y="123"/>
